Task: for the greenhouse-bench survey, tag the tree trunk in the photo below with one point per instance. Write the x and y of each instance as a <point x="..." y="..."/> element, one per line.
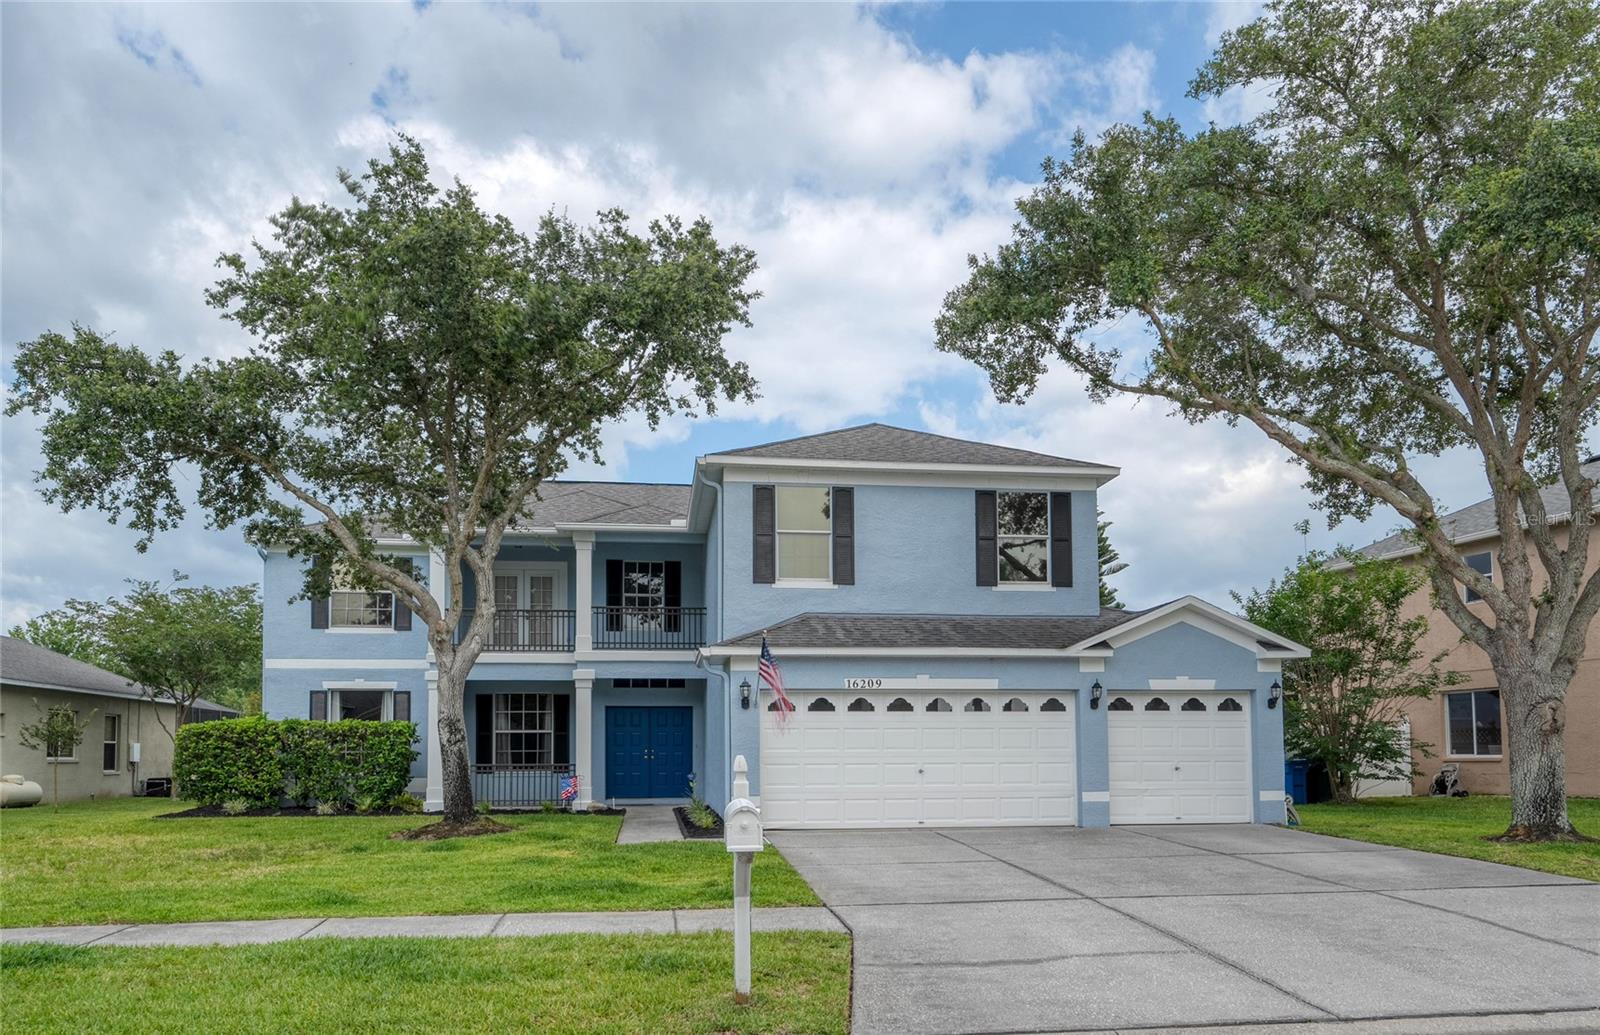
<point x="1535" y="746"/>
<point x="454" y="767"/>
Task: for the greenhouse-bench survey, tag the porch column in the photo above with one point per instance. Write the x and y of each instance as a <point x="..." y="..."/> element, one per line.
<point x="433" y="800"/>
<point x="583" y="572"/>
<point x="583" y="735"/>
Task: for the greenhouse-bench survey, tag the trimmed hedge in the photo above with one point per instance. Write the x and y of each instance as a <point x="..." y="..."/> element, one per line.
<point x="264" y="760"/>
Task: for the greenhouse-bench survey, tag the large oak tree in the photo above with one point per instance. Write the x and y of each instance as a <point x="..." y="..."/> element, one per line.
<point x="1398" y="257"/>
<point x="419" y="367"/>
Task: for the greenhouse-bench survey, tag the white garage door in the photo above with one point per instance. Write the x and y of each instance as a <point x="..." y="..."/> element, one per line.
<point x="1179" y="757"/>
<point x="846" y="759"/>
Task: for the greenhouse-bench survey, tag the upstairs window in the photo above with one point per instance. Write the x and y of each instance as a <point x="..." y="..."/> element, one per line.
<point x="1483" y="564"/>
<point x="644" y="585"/>
<point x="1023" y="536"/>
<point x="361" y="609"/>
<point x="805" y="529"/>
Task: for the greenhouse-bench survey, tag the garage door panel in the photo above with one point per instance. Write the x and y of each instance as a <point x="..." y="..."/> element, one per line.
<point x="918" y="767"/>
<point x="1179" y="766"/>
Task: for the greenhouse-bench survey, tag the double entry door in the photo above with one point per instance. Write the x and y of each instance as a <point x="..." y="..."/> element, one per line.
<point x="649" y="751"/>
<point x="526" y="602"/>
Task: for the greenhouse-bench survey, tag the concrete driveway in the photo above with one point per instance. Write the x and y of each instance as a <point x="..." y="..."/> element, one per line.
<point x="1061" y="929"/>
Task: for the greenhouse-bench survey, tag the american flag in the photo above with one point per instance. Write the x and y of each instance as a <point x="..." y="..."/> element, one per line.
<point x="569" y="787"/>
<point x="767" y="672"/>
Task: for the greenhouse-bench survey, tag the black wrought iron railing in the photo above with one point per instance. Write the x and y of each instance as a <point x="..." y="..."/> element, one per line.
<point x="514" y="629"/>
<point x="649" y="628"/>
<point x="514" y="786"/>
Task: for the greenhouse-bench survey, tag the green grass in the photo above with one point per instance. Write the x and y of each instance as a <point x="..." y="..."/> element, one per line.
<point x="112" y="862"/>
<point x="564" y="983"/>
<point x="1460" y="826"/>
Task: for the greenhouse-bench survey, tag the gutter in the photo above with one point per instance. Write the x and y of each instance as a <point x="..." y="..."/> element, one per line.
<point x="701" y="657"/>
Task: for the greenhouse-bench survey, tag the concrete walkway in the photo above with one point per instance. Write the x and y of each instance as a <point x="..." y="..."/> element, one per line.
<point x="646" y="823"/>
<point x="498" y="925"/>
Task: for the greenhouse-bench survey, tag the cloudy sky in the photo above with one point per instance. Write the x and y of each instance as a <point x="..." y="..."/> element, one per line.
<point x="862" y="152"/>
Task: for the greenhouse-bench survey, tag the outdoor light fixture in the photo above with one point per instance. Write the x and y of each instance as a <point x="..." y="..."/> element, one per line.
<point x="1094" y="694"/>
<point x="1274" y="692"/>
<point x="744" y="695"/>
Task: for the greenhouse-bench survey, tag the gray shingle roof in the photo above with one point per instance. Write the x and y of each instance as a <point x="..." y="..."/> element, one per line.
<point x="1000" y="632"/>
<point x="886" y="444"/>
<point x="619" y="503"/>
<point x="28" y="664"/>
<point x="1478" y="521"/>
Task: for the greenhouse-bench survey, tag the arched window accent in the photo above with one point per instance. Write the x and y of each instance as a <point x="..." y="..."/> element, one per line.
<point x="774" y="706"/>
<point x="938" y="704"/>
<point x="1156" y="704"/>
<point x="977" y="704"/>
<point x="1193" y="704"/>
<point x="899" y="704"/>
<point x="1121" y="704"/>
<point x="1229" y="705"/>
<point x="1016" y="704"/>
<point x="1052" y="705"/>
<point x="861" y="704"/>
<point x="821" y="704"/>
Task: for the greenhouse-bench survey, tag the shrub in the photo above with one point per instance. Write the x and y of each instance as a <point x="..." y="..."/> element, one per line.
<point x="367" y="804"/>
<point x="235" y="807"/>
<point x="214" y="762"/>
<point x="328" y="808"/>
<point x="407" y="803"/>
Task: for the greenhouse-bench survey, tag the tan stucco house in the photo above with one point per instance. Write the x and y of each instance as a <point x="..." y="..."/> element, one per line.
<point x="1465" y="724"/>
<point x="125" y="743"/>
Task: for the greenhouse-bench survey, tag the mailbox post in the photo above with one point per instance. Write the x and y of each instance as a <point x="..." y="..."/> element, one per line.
<point x="741" y="829"/>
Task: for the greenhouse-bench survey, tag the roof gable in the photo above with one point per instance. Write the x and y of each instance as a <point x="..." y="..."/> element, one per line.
<point x="884" y="443"/>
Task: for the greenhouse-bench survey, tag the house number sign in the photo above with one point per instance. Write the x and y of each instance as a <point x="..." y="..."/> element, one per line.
<point x="920" y="682"/>
<point x="859" y="683"/>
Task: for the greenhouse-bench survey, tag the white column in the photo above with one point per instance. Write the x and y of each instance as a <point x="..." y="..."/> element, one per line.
<point x="583" y="734"/>
<point x="433" y="801"/>
<point x="583" y="571"/>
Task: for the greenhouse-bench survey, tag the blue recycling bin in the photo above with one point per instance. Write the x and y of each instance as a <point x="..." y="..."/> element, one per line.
<point x="1295" y="772"/>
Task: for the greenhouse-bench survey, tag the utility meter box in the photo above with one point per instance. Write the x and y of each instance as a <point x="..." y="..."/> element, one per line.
<point x="741" y="826"/>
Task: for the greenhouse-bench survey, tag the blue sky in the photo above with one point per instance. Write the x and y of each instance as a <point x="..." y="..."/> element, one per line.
<point x="862" y="152"/>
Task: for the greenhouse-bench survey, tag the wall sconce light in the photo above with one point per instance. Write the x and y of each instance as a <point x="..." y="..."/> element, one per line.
<point x="1274" y="693"/>
<point x="1095" y="691"/>
<point x="744" y="695"/>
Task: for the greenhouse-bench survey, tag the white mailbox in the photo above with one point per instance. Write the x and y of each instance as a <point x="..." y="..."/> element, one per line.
<point x="741" y="826"/>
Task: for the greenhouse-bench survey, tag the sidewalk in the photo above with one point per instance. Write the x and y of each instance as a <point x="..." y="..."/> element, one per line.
<point x="497" y="925"/>
<point x="645" y="824"/>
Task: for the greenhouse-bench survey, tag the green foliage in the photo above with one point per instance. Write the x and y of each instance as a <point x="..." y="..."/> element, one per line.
<point x="484" y="807"/>
<point x="409" y="804"/>
<point x="1110" y="564"/>
<point x="236" y="807"/>
<point x="57" y="732"/>
<point x="338" y="764"/>
<point x="328" y="808"/>
<point x="73" y="629"/>
<point x="700" y="814"/>
<point x="416" y="361"/>
<point x="1342" y="705"/>
<point x="214" y="762"/>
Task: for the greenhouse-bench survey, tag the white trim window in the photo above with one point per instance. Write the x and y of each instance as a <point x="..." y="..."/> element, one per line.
<point x="1472" y="724"/>
<point x="360" y="609"/>
<point x="524" y="730"/>
<point x="1483" y="564"/>
<point x="1022" y="522"/>
<point x="111" y="745"/>
<point x="372" y="705"/>
<point x="804" y="529"/>
<point x="644" y="586"/>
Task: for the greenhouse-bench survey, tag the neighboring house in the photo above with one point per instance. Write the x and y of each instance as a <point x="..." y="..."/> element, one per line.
<point x="933" y="604"/>
<point x="1466" y="723"/>
<point x="126" y="742"/>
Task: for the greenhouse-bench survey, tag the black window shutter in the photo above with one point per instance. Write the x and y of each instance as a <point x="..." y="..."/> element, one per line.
<point x="563" y="722"/>
<point x="763" y="523"/>
<point x="319" y="705"/>
<point x="1061" y="539"/>
<point x="402" y="706"/>
<point x="319" y="611"/>
<point x="402" y="613"/>
<point x="843" y="502"/>
<point x="672" y="595"/>
<point x="988" y="559"/>
<point x="613" y="595"/>
<point x="485" y="729"/>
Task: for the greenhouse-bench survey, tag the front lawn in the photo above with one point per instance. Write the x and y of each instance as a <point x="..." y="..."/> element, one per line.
<point x="565" y="983"/>
<point x="1460" y="826"/>
<point x="112" y="862"/>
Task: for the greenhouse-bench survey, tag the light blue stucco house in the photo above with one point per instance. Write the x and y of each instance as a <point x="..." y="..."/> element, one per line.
<point x="933" y="604"/>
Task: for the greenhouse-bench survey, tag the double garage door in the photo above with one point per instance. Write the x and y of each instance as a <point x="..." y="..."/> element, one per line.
<point x="847" y="759"/>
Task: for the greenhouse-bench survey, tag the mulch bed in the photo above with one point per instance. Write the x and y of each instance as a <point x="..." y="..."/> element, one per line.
<point x="689" y="830"/>
<point x="442" y="830"/>
<point x="215" y="812"/>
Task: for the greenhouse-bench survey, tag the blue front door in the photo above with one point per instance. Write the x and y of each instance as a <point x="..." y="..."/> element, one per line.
<point x="649" y="752"/>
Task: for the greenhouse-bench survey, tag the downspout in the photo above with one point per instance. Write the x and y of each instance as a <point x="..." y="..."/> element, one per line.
<point x="722" y="603"/>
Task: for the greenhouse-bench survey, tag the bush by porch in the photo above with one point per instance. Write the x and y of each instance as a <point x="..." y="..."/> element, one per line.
<point x="111" y="861"/>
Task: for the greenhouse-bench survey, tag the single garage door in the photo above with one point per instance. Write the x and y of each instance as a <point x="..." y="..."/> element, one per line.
<point x="847" y="759"/>
<point x="1179" y="757"/>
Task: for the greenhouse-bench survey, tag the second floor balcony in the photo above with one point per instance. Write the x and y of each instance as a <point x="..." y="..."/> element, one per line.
<point x="554" y="630"/>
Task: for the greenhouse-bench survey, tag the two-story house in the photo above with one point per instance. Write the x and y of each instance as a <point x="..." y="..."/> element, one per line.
<point x="933" y="604"/>
<point x="1465" y="724"/>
